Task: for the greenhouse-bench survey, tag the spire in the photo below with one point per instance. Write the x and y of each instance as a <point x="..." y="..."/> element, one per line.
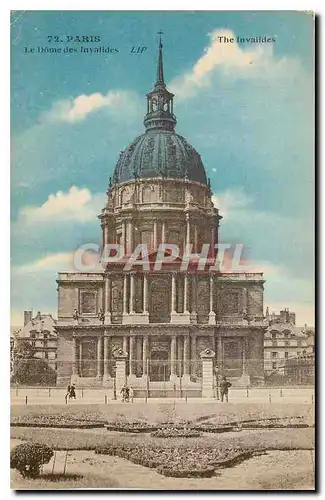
<point x="160" y="114"/>
<point x="160" y="68"/>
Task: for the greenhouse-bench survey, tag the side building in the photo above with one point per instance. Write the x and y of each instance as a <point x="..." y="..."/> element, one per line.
<point x="284" y="340"/>
<point x="40" y="332"/>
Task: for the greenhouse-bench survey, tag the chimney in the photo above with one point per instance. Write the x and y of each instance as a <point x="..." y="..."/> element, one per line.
<point x="287" y="316"/>
<point x="283" y="316"/>
<point x="28" y="316"/>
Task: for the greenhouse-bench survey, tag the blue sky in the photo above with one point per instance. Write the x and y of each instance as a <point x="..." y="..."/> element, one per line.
<point x="247" y="109"/>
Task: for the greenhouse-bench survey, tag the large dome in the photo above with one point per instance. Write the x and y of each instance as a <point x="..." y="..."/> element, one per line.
<point x="159" y="153"/>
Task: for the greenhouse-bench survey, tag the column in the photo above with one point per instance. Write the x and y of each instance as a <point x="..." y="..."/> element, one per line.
<point x="244" y="350"/>
<point x="173" y="308"/>
<point x="244" y="303"/>
<point x="105" y="234"/>
<point x="163" y="232"/>
<point x="138" y="356"/>
<point x="145" y="355"/>
<point x="188" y="230"/>
<point x="124" y="235"/>
<point x="193" y="301"/>
<point x="107" y="299"/>
<point x="195" y="238"/>
<point x="186" y="349"/>
<point x="155" y="235"/>
<point x="74" y="356"/>
<point x="212" y="250"/>
<point x="99" y="356"/>
<point x="185" y="293"/>
<point x="131" y="356"/>
<point x="193" y="367"/>
<point x="131" y="237"/>
<point x="173" y="358"/>
<point x="180" y="348"/>
<point x="212" y="314"/>
<point x="132" y="278"/>
<point x="125" y="344"/>
<point x="125" y="294"/>
<point x="145" y="293"/>
<point x="106" y="357"/>
<point x="80" y="357"/>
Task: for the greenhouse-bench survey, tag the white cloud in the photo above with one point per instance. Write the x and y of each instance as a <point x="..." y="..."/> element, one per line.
<point x="231" y="200"/>
<point x="78" y="108"/>
<point x="234" y="60"/>
<point x="77" y="204"/>
<point x="62" y="261"/>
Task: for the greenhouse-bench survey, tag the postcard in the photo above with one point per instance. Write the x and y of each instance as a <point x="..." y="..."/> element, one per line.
<point x="162" y="228"/>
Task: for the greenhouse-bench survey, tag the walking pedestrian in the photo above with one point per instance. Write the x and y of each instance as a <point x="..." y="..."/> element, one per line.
<point x="73" y="392"/>
<point x="127" y="394"/>
<point x="68" y="392"/>
<point x="224" y="387"/>
<point x="123" y="392"/>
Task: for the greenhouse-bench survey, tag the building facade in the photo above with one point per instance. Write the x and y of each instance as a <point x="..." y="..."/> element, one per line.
<point x="284" y="340"/>
<point x="40" y="333"/>
<point x="162" y="317"/>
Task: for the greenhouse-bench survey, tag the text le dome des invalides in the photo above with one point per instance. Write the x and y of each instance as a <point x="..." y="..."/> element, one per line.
<point x="160" y="320"/>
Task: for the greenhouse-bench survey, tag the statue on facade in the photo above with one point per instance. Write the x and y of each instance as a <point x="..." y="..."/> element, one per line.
<point x="245" y="314"/>
<point x="101" y="316"/>
<point x="75" y="314"/>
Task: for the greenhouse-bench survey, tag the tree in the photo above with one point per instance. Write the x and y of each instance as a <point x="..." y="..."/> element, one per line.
<point x="33" y="371"/>
<point x="27" y="458"/>
<point x="24" y="349"/>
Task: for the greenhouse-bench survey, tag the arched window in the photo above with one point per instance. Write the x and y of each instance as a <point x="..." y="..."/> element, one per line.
<point x="147" y="194"/>
<point x="124" y="197"/>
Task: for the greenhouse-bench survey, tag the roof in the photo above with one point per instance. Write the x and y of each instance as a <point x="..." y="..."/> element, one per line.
<point x="41" y="323"/>
<point x="298" y="331"/>
<point x="159" y="153"/>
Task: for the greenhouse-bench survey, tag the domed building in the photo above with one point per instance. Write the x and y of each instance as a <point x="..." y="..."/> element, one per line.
<point x="161" y="318"/>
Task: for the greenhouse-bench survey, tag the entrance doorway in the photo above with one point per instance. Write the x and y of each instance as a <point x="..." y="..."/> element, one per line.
<point x="159" y="370"/>
<point x="88" y="362"/>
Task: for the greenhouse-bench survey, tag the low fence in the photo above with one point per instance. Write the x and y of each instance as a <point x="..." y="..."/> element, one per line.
<point x="57" y="395"/>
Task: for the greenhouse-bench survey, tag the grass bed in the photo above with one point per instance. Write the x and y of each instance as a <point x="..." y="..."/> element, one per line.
<point x="176" y="433"/>
<point x="75" y="439"/>
<point x="183" y="461"/>
<point x="164" y="412"/>
<point x="59" y="425"/>
<point x="198" y="472"/>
